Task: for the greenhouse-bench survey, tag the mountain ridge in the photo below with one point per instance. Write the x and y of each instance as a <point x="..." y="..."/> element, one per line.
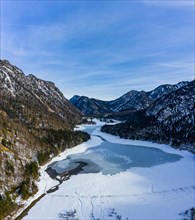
<point x="132" y="100"/>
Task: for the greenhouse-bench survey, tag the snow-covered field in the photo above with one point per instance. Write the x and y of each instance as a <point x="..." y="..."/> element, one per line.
<point x="159" y="192"/>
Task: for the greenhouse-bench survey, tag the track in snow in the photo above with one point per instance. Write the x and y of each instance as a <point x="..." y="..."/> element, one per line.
<point x="185" y="190"/>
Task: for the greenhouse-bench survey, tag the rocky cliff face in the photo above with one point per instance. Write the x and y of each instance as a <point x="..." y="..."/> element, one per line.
<point x="133" y="100"/>
<point x="170" y="119"/>
<point x="36" y="124"/>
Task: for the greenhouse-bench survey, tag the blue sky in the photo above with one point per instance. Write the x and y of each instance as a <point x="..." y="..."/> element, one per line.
<point x="100" y="49"/>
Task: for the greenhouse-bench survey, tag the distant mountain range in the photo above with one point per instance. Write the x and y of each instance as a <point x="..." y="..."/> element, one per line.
<point x="133" y="100"/>
<point x="164" y="115"/>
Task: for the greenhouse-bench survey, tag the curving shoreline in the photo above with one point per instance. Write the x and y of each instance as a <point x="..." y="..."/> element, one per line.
<point x="65" y="175"/>
<point x="59" y="177"/>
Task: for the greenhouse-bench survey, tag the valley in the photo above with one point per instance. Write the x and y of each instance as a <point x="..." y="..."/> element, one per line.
<point x="55" y="156"/>
<point x="97" y="110"/>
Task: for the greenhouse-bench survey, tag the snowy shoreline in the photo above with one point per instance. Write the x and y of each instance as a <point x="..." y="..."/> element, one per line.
<point x="140" y="185"/>
<point x="45" y="182"/>
<point x="164" y="147"/>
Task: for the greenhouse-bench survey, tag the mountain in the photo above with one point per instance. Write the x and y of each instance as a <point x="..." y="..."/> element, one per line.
<point x="140" y="100"/>
<point x="169" y="119"/>
<point x="36" y="123"/>
<point x="132" y="100"/>
<point x="165" y="89"/>
<point x="90" y="106"/>
<point x="28" y="95"/>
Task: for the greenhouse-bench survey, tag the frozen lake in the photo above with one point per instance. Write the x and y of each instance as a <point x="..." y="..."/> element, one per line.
<point x="123" y="179"/>
<point x="113" y="158"/>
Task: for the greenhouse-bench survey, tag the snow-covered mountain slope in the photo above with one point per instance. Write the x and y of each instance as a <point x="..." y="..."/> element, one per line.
<point x="175" y="113"/>
<point x="132" y="100"/>
<point x="170" y="119"/>
<point x="165" y="89"/>
<point x="27" y="95"/>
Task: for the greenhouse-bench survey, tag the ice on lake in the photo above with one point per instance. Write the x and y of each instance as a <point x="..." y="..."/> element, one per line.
<point x="112" y="158"/>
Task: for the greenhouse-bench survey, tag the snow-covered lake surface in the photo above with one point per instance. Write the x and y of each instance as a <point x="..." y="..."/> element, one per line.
<point x="113" y="158"/>
<point x="124" y="179"/>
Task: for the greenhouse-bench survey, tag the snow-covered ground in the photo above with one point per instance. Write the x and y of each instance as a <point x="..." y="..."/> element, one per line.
<point x="158" y="192"/>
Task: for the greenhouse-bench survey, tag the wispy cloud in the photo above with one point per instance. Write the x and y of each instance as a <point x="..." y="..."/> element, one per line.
<point x="100" y="48"/>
